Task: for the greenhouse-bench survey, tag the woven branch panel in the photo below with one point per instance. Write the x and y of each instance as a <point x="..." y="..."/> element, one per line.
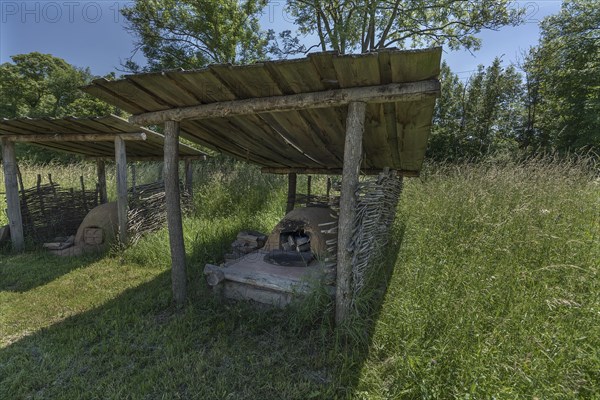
<point x="49" y="211"/>
<point x="377" y="199"/>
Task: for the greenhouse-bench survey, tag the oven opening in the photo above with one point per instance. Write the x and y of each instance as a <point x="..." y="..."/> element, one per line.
<point x="294" y="247"/>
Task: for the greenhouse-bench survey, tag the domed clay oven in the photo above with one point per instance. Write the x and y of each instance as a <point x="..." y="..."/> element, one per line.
<point x="292" y="261"/>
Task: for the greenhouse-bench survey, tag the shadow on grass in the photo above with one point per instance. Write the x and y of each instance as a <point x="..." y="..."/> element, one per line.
<point x="138" y="346"/>
<point x="359" y="332"/>
<point x="26" y="271"/>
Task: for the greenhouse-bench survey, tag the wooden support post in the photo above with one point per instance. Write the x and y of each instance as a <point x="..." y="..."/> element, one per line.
<point x="121" y="158"/>
<point x="171" y="174"/>
<point x="133" y="178"/>
<point x="160" y="175"/>
<point x="15" y="220"/>
<point x="291" y="197"/>
<point x="101" y="170"/>
<point x="308" y="187"/>
<point x="355" y="124"/>
<point x="189" y="177"/>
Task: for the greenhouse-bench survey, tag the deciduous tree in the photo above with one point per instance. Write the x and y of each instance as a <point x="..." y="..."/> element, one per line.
<point x="349" y="26"/>
<point x="192" y="33"/>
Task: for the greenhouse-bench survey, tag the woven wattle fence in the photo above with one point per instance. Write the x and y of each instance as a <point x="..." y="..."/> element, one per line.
<point x="377" y="199"/>
<point x="148" y="210"/>
<point x="48" y="211"/>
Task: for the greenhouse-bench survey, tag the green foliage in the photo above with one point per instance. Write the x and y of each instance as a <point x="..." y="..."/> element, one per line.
<point x="41" y="85"/>
<point x="563" y="80"/>
<point x="479" y="117"/>
<point x="348" y="26"/>
<point x="193" y="33"/>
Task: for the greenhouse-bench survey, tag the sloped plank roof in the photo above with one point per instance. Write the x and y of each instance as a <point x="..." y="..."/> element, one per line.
<point x="395" y="133"/>
<point x="152" y="147"/>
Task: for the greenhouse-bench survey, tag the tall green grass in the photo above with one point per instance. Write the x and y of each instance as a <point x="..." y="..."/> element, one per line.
<point x="493" y="292"/>
<point x="496" y="291"/>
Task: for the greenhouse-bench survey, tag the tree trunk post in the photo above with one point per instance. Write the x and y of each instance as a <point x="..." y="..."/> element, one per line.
<point x="121" y="159"/>
<point x="101" y="171"/>
<point x="355" y="124"/>
<point x="171" y="176"/>
<point x="133" y="179"/>
<point x="308" y="188"/>
<point x="291" y="197"/>
<point x="189" y="177"/>
<point x="15" y="219"/>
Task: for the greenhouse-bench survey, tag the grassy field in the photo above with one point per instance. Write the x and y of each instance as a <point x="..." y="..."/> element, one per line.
<point x="493" y="292"/>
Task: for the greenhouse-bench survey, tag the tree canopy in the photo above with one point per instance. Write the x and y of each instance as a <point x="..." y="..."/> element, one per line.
<point x="192" y="33"/>
<point x="348" y="26"/>
<point x="41" y="85"/>
<point x="563" y="80"/>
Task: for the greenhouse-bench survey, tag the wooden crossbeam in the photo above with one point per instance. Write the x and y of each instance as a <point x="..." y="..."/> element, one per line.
<point x="394" y="92"/>
<point x="73" y="137"/>
<point x="149" y="158"/>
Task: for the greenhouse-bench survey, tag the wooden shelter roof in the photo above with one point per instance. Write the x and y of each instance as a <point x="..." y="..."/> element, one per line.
<point x="301" y="137"/>
<point x="52" y="133"/>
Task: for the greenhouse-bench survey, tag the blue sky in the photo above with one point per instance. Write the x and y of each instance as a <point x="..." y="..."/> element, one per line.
<point x="91" y="33"/>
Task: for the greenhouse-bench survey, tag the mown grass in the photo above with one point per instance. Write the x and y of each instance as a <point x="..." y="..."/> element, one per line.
<point x="494" y="294"/>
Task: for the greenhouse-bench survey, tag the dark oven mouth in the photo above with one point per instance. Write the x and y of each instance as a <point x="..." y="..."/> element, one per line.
<point x="294" y="247"/>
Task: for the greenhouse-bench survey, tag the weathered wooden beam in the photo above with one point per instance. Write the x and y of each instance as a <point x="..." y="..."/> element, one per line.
<point x="171" y="174"/>
<point x="133" y="178"/>
<point x="355" y="125"/>
<point x="291" y="197"/>
<point x="331" y="171"/>
<point x="147" y="158"/>
<point x="15" y="219"/>
<point x="74" y="137"/>
<point x="121" y="160"/>
<point x="308" y="189"/>
<point x="394" y="92"/>
<point x="216" y="275"/>
<point x="101" y="171"/>
<point x="189" y="177"/>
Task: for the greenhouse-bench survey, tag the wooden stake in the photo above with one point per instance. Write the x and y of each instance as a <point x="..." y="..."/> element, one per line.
<point x="189" y="177"/>
<point x="171" y="175"/>
<point x="101" y="171"/>
<point x="291" y="197"/>
<point x="121" y="158"/>
<point x="133" y="178"/>
<point x="308" y="188"/>
<point x="355" y="125"/>
<point x="15" y="220"/>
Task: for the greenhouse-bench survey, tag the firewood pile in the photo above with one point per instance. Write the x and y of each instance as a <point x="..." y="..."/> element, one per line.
<point x="49" y="211"/>
<point x="246" y="242"/>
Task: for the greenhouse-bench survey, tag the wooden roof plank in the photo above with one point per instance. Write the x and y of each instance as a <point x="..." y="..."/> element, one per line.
<point x="287" y="78"/>
<point x="162" y="90"/>
<point x="131" y="94"/>
<point x="205" y="85"/>
<point x="414" y="122"/>
<point x="415" y="66"/>
<point x="353" y="71"/>
<point x="206" y="134"/>
<point x="323" y="62"/>
<point x="377" y="149"/>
